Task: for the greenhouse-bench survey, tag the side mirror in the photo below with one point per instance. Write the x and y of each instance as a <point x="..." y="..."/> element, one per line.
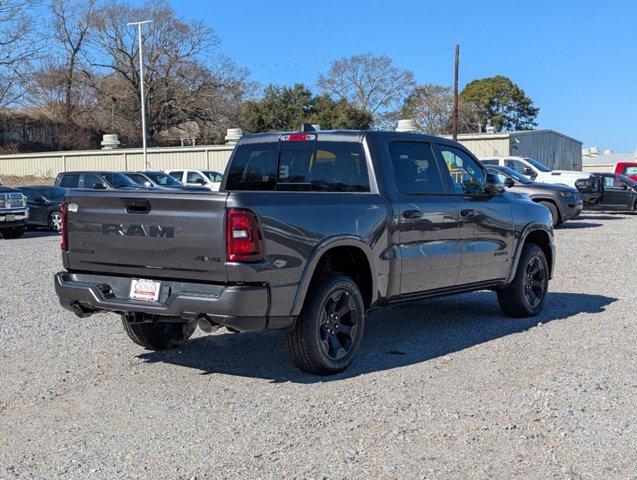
<point x="528" y="171"/>
<point x="493" y="184"/>
<point x="148" y="184"/>
<point x="508" y="182"/>
<point x="624" y="186"/>
<point x="200" y="181"/>
<point x="99" y="186"/>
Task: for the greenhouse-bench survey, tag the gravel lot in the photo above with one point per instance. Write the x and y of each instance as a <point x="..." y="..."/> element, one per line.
<point x="446" y="389"/>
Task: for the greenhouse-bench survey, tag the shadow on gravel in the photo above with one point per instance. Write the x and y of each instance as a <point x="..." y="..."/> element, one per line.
<point x="39" y="234"/>
<point x="603" y="216"/>
<point x="394" y="337"/>
<point x="570" y="225"/>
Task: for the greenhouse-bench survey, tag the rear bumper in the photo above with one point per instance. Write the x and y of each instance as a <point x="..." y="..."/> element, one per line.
<point x="238" y="307"/>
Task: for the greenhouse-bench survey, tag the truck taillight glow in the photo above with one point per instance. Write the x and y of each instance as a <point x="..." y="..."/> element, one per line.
<point x="243" y="237"/>
<point x="298" y="137"/>
<point x="64" y="242"/>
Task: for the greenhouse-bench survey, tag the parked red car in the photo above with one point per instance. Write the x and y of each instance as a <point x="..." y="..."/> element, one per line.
<point x="627" y="168"/>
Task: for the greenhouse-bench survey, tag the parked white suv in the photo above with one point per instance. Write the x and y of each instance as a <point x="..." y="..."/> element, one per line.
<point x="206" y="178"/>
<point x="536" y="171"/>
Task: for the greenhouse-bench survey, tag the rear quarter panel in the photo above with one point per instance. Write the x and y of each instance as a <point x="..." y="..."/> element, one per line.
<point x="298" y="225"/>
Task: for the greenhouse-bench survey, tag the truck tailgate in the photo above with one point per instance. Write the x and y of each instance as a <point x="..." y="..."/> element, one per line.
<point x="148" y="234"/>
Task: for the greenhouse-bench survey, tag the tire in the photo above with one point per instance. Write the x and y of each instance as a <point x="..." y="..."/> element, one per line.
<point x="55" y="221"/>
<point x="555" y="214"/>
<point x="525" y="296"/>
<point x="328" y="333"/>
<point x="156" y="335"/>
<point x="13" y="233"/>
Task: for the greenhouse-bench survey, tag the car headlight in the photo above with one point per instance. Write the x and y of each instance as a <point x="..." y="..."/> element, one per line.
<point x="567" y="194"/>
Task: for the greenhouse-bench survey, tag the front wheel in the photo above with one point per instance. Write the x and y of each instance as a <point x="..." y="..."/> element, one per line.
<point x="329" y="330"/>
<point x="154" y="334"/>
<point x="526" y="294"/>
<point x="555" y="214"/>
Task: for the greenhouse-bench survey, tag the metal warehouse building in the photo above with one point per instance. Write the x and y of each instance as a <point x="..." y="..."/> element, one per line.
<point x="554" y="149"/>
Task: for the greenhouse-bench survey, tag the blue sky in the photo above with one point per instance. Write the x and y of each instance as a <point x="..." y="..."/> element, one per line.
<point x="576" y="59"/>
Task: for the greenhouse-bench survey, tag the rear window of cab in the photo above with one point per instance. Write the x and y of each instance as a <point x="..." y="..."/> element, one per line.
<point x="312" y="166"/>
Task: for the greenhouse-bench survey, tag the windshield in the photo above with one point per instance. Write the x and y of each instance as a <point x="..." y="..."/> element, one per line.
<point x="163" y="179"/>
<point x="509" y="172"/>
<point x="540" y="166"/>
<point x="213" y="176"/>
<point x="628" y="180"/>
<point x="54" y="193"/>
<point x="118" y="180"/>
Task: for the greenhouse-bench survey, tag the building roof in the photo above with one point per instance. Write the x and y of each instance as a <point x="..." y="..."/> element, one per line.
<point x="608" y="159"/>
<point x="484" y="135"/>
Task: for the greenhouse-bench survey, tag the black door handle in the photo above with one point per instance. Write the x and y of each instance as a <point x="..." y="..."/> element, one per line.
<point x="412" y="214"/>
<point x="467" y="213"/>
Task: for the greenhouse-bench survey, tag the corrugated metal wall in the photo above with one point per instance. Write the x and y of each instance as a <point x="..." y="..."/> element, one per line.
<point x="214" y="157"/>
<point x="554" y="150"/>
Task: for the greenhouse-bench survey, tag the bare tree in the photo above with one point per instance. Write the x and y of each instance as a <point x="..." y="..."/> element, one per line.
<point x="185" y="78"/>
<point x="73" y="22"/>
<point x="370" y="82"/>
<point x="18" y="47"/>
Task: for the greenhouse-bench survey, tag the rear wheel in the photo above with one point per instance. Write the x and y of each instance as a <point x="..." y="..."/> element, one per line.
<point x="55" y="221"/>
<point x="151" y="334"/>
<point x="329" y="330"/>
<point x="526" y="294"/>
<point x="555" y="214"/>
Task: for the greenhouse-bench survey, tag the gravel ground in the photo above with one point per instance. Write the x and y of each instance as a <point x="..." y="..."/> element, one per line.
<point x="446" y="389"/>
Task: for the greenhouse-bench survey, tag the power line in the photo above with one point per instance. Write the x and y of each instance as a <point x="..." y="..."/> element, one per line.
<point x="324" y="62"/>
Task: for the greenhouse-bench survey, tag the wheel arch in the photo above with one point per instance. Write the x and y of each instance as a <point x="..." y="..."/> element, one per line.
<point x="540" y="235"/>
<point x="549" y="200"/>
<point x="348" y="255"/>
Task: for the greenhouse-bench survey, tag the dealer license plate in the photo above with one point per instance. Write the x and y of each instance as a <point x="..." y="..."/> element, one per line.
<point x="146" y="290"/>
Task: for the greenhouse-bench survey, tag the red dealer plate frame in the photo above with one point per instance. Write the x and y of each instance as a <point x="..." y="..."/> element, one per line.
<point x="145" y="290"/>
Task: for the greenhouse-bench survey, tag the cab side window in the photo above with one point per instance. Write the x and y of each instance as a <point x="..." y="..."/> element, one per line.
<point x="71" y="180"/>
<point x="516" y="165"/>
<point x="466" y="174"/>
<point x="177" y="175"/>
<point x="194" y="177"/>
<point x="612" y="182"/>
<point x="415" y="168"/>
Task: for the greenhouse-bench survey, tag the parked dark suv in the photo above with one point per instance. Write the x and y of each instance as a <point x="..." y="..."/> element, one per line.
<point x="563" y="202"/>
<point x="95" y="181"/>
<point x="308" y="232"/>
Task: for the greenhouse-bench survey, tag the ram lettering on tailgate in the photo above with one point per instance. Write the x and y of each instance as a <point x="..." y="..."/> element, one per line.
<point x="137" y="230"/>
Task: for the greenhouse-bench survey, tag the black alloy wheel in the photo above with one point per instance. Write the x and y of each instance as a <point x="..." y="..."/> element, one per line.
<point x="338" y="325"/>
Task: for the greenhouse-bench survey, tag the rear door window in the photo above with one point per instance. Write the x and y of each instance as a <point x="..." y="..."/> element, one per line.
<point x="177" y="175"/>
<point x="415" y="168"/>
<point x="253" y="167"/>
<point x="71" y="180"/>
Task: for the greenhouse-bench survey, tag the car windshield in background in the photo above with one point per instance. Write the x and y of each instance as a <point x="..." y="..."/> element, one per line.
<point x="509" y="172"/>
<point x="55" y="194"/>
<point x="118" y="180"/>
<point x="163" y="179"/>
<point x="213" y="176"/>
<point x="628" y="180"/>
<point x="540" y="166"/>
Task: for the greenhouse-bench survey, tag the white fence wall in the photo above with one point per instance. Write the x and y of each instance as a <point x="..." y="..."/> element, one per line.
<point x="49" y="164"/>
<point x="600" y="167"/>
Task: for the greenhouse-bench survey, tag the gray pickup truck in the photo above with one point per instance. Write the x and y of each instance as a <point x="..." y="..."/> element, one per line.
<point x="13" y="212"/>
<point x="309" y="231"/>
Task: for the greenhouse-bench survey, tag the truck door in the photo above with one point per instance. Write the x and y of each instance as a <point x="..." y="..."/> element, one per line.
<point x="427" y="219"/>
<point x="617" y="194"/>
<point x="486" y="222"/>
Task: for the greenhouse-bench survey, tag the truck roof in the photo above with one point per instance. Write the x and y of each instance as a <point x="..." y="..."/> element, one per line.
<point x="343" y="136"/>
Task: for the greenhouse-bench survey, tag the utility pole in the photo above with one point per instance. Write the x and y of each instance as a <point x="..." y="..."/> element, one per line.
<point x="454" y="117"/>
<point x="141" y="87"/>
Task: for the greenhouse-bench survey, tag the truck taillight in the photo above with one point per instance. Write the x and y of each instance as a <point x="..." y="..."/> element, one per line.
<point x="64" y="242"/>
<point x="243" y="237"/>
